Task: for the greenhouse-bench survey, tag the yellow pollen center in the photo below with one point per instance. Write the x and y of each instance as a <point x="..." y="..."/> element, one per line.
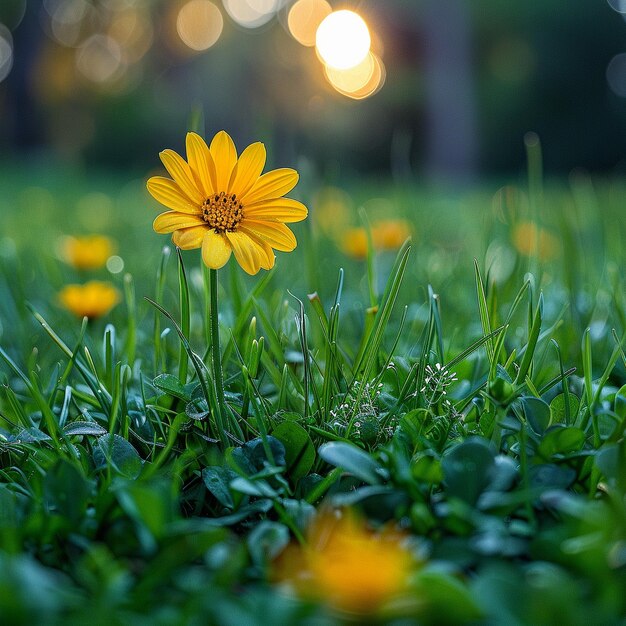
<point x="222" y="212"/>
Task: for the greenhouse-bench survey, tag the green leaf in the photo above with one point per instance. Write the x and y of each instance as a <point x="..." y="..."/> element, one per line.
<point x="467" y="469"/>
<point x="172" y="386"/>
<point x="299" y="449"/>
<point x="558" y="412"/>
<point x="561" y="440"/>
<point x="217" y="480"/>
<point x="255" y="455"/>
<point x="151" y="505"/>
<point x="66" y="490"/>
<point x="115" y="451"/>
<point x="83" y="428"/>
<point x="550" y="476"/>
<point x="610" y="460"/>
<point x="257" y="488"/>
<point x="620" y="403"/>
<point x="353" y="460"/>
<point x="427" y="469"/>
<point x="266" y="541"/>
<point x="31" y="435"/>
<point x="537" y="413"/>
<point x="446" y="599"/>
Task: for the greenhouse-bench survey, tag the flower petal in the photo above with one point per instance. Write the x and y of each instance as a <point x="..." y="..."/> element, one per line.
<point x="168" y="193"/>
<point x="224" y="156"/>
<point x="280" y="209"/>
<point x="171" y="221"/>
<point x="272" y="185"/>
<point x="248" y="254"/>
<point x="180" y="171"/>
<point x="276" y="234"/>
<point x="189" y="238"/>
<point x="215" y="250"/>
<point x="248" y="169"/>
<point x="201" y="163"/>
<point x="268" y="258"/>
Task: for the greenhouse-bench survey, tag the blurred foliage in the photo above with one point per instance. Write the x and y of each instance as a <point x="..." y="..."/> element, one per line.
<point x="116" y="84"/>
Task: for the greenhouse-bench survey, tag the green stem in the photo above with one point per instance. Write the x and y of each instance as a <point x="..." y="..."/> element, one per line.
<point x="218" y="376"/>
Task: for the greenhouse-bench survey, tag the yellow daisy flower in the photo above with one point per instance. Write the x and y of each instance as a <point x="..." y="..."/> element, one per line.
<point x="93" y="299"/>
<point x="386" y="235"/>
<point x="532" y="240"/>
<point x="86" y="253"/>
<point x="224" y="205"/>
<point x="348" y="565"/>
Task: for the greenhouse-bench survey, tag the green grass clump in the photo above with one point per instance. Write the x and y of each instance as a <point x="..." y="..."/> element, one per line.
<point x="484" y="415"/>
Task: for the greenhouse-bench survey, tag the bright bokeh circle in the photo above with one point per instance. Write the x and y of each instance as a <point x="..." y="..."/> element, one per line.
<point x="343" y="40"/>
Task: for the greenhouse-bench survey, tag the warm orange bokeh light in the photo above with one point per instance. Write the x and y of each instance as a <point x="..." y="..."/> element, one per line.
<point x="359" y="82"/>
<point x="199" y="24"/>
<point x="304" y="19"/>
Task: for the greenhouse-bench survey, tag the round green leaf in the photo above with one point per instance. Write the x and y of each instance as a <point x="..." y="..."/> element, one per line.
<point x="299" y="449"/>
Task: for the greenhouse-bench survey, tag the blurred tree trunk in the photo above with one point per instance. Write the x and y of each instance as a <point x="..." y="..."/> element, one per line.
<point x="22" y="120"/>
<point x="450" y="100"/>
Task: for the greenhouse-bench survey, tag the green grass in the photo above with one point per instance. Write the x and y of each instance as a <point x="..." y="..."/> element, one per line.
<point x="131" y="492"/>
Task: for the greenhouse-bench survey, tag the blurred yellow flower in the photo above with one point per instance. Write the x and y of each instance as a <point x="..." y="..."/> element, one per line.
<point x="87" y="253"/>
<point x="93" y="299"/>
<point x="531" y="240"/>
<point x="386" y="235"/>
<point x="348" y="565"/>
<point x="223" y="204"/>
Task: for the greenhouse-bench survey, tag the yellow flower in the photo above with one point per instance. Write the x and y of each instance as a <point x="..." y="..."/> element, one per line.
<point x="87" y="253"/>
<point x="93" y="299"/>
<point x="348" y="565"/>
<point x="386" y="235"/>
<point x="531" y="240"/>
<point x="223" y="204"/>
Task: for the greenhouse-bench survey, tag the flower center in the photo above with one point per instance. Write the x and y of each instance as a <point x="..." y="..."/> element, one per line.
<point x="222" y="212"/>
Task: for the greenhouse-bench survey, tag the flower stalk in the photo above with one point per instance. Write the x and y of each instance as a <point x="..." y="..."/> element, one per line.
<point x="216" y="354"/>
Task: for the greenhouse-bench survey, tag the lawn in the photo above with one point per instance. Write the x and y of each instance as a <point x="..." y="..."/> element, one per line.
<point x="425" y="430"/>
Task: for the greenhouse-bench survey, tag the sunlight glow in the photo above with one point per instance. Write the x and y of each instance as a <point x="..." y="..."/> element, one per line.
<point x="343" y="40"/>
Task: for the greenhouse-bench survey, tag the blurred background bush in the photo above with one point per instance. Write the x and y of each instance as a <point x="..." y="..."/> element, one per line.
<point x="449" y="90"/>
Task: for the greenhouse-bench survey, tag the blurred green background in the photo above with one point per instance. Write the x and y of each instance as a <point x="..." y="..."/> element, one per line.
<point x="110" y="82"/>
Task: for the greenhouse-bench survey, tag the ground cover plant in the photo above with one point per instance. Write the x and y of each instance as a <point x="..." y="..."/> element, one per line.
<point x="382" y="428"/>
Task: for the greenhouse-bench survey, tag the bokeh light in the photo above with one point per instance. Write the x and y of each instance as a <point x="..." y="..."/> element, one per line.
<point x="66" y="19"/>
<point x="252" y="13"/>
<point x="99" y="58"/>
<point x="6" y="52"/>
<point x="132" y="30"/>
<point x="343" y="40"/>
<point x="304" y="19"/>
<point x="361" y="81"/>
<point x="616" y="75"/>
<point x="354" y="78"/>
<point x="199" y="24"/>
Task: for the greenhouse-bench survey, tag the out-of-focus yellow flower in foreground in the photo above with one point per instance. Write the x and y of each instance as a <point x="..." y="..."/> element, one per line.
<point x="93" y="299"/>
<point x="531" y="240"/>
<point x="86" y="253"/>
<point x="348" y="565"/>
<point x="224" y="205"/>
<point x="386" y="235"/>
